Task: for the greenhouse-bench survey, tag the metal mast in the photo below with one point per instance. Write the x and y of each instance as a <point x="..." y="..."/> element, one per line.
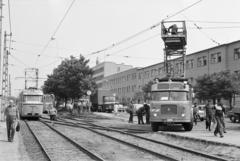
<point x="174" y="35"/>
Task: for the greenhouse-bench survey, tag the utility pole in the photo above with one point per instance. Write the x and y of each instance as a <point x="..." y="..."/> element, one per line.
<point x="5" y="88"/>
<point x="10" y="86"/>
<point x="1" y="108"/>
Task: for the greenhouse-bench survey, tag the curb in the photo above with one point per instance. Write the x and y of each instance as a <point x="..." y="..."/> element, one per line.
<point x="199" y="140"/>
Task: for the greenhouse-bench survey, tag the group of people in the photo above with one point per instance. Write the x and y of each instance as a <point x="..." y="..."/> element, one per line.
<point x="79" y="107"/>
<point x="214" y="114"/>
<point x="143" y="110"/>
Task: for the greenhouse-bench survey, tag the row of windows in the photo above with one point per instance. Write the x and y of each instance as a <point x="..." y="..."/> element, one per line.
<point x="124" y="90"/>
<point x="98" y="70"/>
<point x="178" y="68"/>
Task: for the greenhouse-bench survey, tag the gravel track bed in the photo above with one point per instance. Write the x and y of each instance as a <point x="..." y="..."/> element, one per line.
<point x="106" y="148"/>
<point x="32" y="147"/>
<point x="58" y="148"/>
<point x="232" y="153"/>
<point x="178" y="154"/>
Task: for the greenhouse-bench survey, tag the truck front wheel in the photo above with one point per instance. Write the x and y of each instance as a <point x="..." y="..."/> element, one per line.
<point x="188" y="126"/>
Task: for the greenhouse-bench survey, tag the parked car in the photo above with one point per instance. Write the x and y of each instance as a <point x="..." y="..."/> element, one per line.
<point x="234" y="115"/>
<point x="201" y="112"/>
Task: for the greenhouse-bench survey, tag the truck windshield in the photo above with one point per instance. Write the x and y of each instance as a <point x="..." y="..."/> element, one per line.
<point x="170" y="96"/>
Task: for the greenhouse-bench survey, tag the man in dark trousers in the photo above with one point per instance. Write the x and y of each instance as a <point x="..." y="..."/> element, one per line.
<point x="140" y="113"/>
<point x="209" y="115"/>
<point x="219" y="110"/>
<point x="130" y="111"/>
<point x="12" y="116"/>
<point x="147" y="110"/>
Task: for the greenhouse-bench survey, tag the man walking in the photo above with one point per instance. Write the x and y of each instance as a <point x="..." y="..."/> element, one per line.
<point x="209" y="115"/>
<point x="12" y="116"/>
<point x="219" y="110"/>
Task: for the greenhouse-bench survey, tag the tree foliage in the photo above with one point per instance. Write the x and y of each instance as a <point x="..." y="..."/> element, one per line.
<point x="146" y="90"/>
<point x="71" y="79"/>
<point x="218" y="85"/>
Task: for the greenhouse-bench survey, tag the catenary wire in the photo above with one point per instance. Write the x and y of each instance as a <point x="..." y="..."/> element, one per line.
<point x="55" y="31"/>
<point x="143" y="31"/>
<point x="200" y="29"/>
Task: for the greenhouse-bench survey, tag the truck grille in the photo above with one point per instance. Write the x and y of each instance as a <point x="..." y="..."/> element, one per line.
<point x="169" y="109"/>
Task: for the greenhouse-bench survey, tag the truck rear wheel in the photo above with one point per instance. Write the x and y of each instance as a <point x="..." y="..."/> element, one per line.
<point x="233" y="119"/>
<point x="154" y="126"/>
<point x="188" y="126"/>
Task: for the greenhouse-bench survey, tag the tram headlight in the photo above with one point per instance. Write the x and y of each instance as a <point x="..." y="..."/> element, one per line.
<point x="155" y="114"/>
<point x="183" y="114"/>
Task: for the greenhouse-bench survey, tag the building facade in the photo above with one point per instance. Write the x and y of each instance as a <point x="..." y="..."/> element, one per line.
<point x="220" y="58"/>
<point x="105" y="69"/>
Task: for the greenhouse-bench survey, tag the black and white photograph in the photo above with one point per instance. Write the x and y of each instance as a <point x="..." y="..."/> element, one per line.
<point x="119" y="80"/>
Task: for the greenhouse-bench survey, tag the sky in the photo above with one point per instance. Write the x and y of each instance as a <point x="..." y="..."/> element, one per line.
<point x="93" y="25"/>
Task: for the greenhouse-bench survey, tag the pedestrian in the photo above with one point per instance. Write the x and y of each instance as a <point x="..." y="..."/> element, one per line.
<point x="195" y="113"/>
<point x="130" y="111"/>
<point x="140" y="112"/>
<point x="52" y="114"/>
<point x="147" y="110"/>
<point x="173" y="29"/>
<point x="12" y="117"/>
<point x="209" y="115"/>
<point x="219" y="113"/>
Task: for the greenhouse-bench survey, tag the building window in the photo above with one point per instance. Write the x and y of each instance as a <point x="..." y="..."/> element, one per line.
<point x="189" y="64"/>
<point x="118" y="69"/>
<point x="236" y="53"/>
<point x="201" y="61"/>
<point x="153" y="72"/>
<point x="216" y="58"/>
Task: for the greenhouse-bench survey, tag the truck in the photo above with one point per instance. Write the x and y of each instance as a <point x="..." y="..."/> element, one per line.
<point x="103" y="101"/>
<point x="234" y="114"/>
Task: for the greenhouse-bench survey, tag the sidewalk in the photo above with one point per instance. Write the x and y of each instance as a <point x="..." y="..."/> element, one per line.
<point x="11" y="151"/>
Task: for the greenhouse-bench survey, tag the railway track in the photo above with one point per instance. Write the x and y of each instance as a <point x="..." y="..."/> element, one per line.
<point x="136" y="152"/>
<point x="99" y="129"/>
<point x="57" y="146"/>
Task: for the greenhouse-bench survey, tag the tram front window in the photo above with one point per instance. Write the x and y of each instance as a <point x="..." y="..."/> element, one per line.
<point x="32" y="98"/>
<point x="170" y="96"/>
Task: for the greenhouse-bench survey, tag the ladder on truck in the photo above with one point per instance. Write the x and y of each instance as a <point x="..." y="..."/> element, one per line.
<point x="174" y="35"/>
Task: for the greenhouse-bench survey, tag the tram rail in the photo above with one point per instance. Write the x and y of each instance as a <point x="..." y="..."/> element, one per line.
<point x="94" y="128"/>
<point x="47" y="148"/>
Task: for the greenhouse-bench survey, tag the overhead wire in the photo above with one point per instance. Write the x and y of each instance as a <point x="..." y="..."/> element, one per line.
<point x="143" y="31"/>
<point x="55" y="31"/>
<point x="135" y="44"/>
<point x="200" y="29"/>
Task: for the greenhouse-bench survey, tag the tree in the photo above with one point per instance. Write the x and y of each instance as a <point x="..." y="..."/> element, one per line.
<point x="71" y="79"/>
<point x="147" y="90"/>
<point x="218" y="85"/>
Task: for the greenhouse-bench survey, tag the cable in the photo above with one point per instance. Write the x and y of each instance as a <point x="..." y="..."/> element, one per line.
<point x="228" y="22"/>
<point x="18" y="60"/>
<point x="143" y="31"/>
<point x="138" y="43"/>
<point x="57" y="28"/>
<point x="200" y="29"/>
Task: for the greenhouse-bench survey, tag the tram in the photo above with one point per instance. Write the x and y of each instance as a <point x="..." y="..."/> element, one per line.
<point x="30" y="103"/>
<point x="48" y="101"/>
<point x="171" y="103"/>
